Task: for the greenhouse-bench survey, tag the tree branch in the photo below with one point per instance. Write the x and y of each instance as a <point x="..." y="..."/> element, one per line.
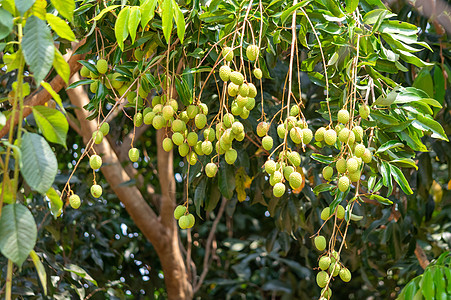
<point x="421" y="256"/>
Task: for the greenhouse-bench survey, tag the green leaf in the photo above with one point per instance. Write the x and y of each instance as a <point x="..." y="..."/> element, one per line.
<point x="398" y="27"/>
<point x="389" y="145"/>
<point x="56" y="204"/>
<point x="351" y="5"/>
<point x="333" y="8"/>
<point x="426" y="123"/>
<point x="121" y="27"/>
<point x="60" y="27"/>
<point x="61" y="66"/>
<point x="439" y="81"/>
<point x="400" y="179"/>
<point x="199" y="195"/>
<point x="52" y="122"/>
<point x="381" y="199"/>
<point x="133" y="21"/>
<point x="385" y="172"/>
<point x="80" y="272"/>
<point x="424" y="82"/>
<point x="427" y="286"/>
<point x="290" y="9"/>
<point x="38" y="48"/>
<point x="6" y="23"/>
<point x="104" y="11"/>
<point x="323" y="187"/>
<point x="40" y="269"/>
<point x="147" y="11"/>
<point x="226" y="180"/>
<point x="39" y="165"/>
<point x="179" y="21"/>
<point x="412" y="59"/>
<point x="322" y="158"/>
<point x="18" y="233"/>
<point x="166" y="18"/>
<point x="23" y="5"/>
<point x="405" y="162"/>
<point x="65" y="8"/>
<point x="80" y="82"/>
<point x="54" y="94"/>
<point x="374" y="15"/>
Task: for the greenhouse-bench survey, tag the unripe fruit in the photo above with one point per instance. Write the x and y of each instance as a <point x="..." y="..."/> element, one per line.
<point x="236" y="110"/>
<point x="294" y="158"/>
<point x="320" y="242"/>
<point x="158" y="122"/>
<point x="105" y="128"/>
<point x="294" y="110"/>
<point x="330" y="137"/>
<point x="327" y="294"/>
<point x="324" y="263"/>
<point x="258" y="73"/>
<point x="276" y="177"/>
<point x="343" y="183"/>
<point x="224" y="73"/>
<point x="84" y="72"/>
<point x="281" y="131"/>
<point x="198" y="148"/>
<point x="227" y="53"/>
<point x="270" y="166"/>
<point x="334" y="269"/>
<point x="267" y="143"/>
<point x="206" y="147"/>
<point x="262" y="129"/>
<point x="192" y="158"/>
<point x="74" y="201"/>
<point x="179" y="211"/>
<point x="192" y="138"/>
<point x="133" y="154"/>
<point x="244" y="90"/>
<point x="319" y="134"/>
<point x="168" y="112"/>
<point x="211" y="169"/>
<point x="200" y="120"/>
<point x="358" y="132"/>
<point x="93" y="87"/>
<point x="96" y="191"/>
<point x="138" y="119"/>
<point x="237" y="127"/>
<point x="278" y="189"/>
<point x="364" y="111"/>
<point x="95" y="162"/>
<point x="343" y="116"/>
<point x="178" y="138"/>
<point x="287" y="171"/>
<point x="335" y="257"/>
<point x="352" y="165"/>
<point x="340" y="210"/>
<point x="97" y="136"/>
<point x="203" y="108"/>
<point x="359" y="150"/>
<point x="343" y="136"/>
<point x="191" y="220"/>
<point x="184" y="116"/>
<point x="322" y="278"/>
<point x="156" y="100"/>
<point x="228" y="120"/>
<point x="102" y="66"/>
<point x="240" y="136"/>
<point x="209" y="134"/>
<point x="252" y="90"/>
<point x="345" y="275"/>
<point x="351" y="139"/>
<point x="252" y="52"/>
<point x="325" y="213"/>
<point x="231" y="156"/>
<point x="291" y="122"/>
<point x="183" y="149"/>
<point x="157" y="108"/>
<point x="232" y="89"/>
<point x="184" y="222"/>
<point x="115" y="82"/>
<point x="295" y="180"/>
<point x="354" y="177"/>
<point x="296" y="135"/>
<point x="307" y="136"/>
<point x="167" y="144"/>
<point x="177" y="125"/>
<point x="367" y="156"/>
<point x="237" y="78"/>
<point x="245" y="113"/>
<point x="250" y="104"/>
<point x="93" y="75"/>
<point x="328" y="172"/>
<point x="341" y="165"/>
<point x="241" y="101"/>
<point x="192" y="111"/>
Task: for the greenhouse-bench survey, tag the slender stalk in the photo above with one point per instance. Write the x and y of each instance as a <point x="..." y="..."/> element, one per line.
<point x="9" y="279"/>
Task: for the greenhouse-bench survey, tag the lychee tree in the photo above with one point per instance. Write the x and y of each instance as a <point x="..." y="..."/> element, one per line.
<point x="200" y="75"/>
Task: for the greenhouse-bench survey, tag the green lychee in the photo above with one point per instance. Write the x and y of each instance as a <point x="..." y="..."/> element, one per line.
<point x="237" y="78"/>
<point x="322" y="278"/>
<point x="328" y="172"/>
<point x="211" y="169"/>
<point x="319" y="134"/>
<point x="252" y="52"/>
<point x="320" y="242"/>
<point x="179" y="211"/>
<point x="96" y="191"/>
<point x="330" y="137"/>
<point x="325" y="213"/>
<point x="278" y="189"/>
<point x="74" y="201"/>
<point x="167" y="144"/>
<point x="227" y="53"/>
<point x="224" y="73"/>
<point x="295" y="180"/>
<point x="258" y="73"/>
<point x="343" y="116"/>
<point x="102" y="66"/>
<point x="267" y="143"/>
<point x="95" y="162"/>
<point x="133" y="154"/>
<point x="343" y="183"/>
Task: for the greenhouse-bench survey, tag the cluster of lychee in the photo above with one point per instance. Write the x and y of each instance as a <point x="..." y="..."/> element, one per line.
<point x="185" y="219"/>
<point x="350" y="162"/>
<point x="329" y="263"/>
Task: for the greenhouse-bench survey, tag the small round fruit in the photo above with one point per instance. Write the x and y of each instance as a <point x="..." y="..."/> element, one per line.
<point x="231" y="156"/>
<point x="184" y="222"/>
<point x="364" y="111"/>
<point x="224" y="73"/>
<point x="207" y="147"/>
<point x="281" y="131"/>
<point x="330" y="137"/>
<point x="270" y="166"/>
<point x="168" y="112"/>
<point x="325" y="213"/>
<point x="138" y="119"/>
<point x="178" y="125"/>
<point x="352" y="165"/>
<point x="74" y="201"/>
<point x="84" y="72"/>
<point x="296" y="135"/>
<point x="102" y="66"/>
<point x="200" y="120"/>
<point x="343" y="136"/>
<point x="93" y="87"/>
<point x="96" y="191"/>
<point x="267" y="143"/>
<point x="343" y="116"/>
<point x="345" y="275"/>
<point x="327" y="293"/>
<point x="307" y="136"/>
<point x="295" y="180"/>
<point x="252" y="91"/>
<point x="334" y="269"/>
<point x="319" y="134"/>
<point x="211" y="169"/>
<point x="167" y="144"/>
<point x="158" y="122"/>
<point x="354" y="177"/>
<point x="237" y="78"/>
<point x="320" y="242"/>
<point x="324" y="263"/>
<point x="237" y="127"/>
<point x="340" y="210"/>
<point x="133" y="154"/>
<point x="294" y="158"/>
<point x="341" y="165"/>
<point x="258" y="73"/>
<point x="262" y="129"/>
<point x="191" y="220"/>
<point x="198" y="148"/>
<point x="192" y="158"/>
<point x="105" y="128"/>
<point x="367" y="156"/>
<point x="343" y="183"/>
<point x="228" y="120"/>
<point x="359" y="150"/>
<point x="95" y="162"/>
<point x="148" y="117"/>
<point x="252" y="52"/>
<point x="227" y="53"/>
<point x="322" y="278"/>
<point x="179" y="211"/>
<point x="287" y="172"/>
<point x="192" y="111"/>
<point x="178" y="138"/>
<point x="209" y="134"/>
<point x="97" y="137"/>
<point x="358" y="133"/>
<point x="192" y="138"/>
<point x="232" y="89"/>
<point x="275" y="178"/>
<point x="294" y="110"/>
<point x="278" y="189"/>
<point x="328" y="172"/>
<point x="244" y="90"/>
<point x="183" y="149"/>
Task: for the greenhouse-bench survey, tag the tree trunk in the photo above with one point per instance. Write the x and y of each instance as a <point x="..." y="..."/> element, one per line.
<point x="160" y="230"/>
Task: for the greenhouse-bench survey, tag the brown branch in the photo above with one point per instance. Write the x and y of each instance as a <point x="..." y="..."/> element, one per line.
<point x="421" y="256"/>
<point x="41" y="96"/>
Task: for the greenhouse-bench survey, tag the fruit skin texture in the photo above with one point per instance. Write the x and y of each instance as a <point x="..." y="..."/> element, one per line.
<point x="343" y="136"/>
<point x="237" y="78"/>
<point x="74" y="201"/>
<point x="324" y="263"/>
<point x="345" y="275"/>
<point x="184" y="222"/>
<point x="319" y="134"/>
<point x="270" y="166"/>
<point x="320" y="242"/>
<point x="138" y="119"/>
<point x="84" y="72"/>
<point x="230" y="156"/>
<point x="252" y="52"/>
<point x="295" y="180"/>
<point x="102" y="66"/>
<point x="279" y="189"/>
<point x="325" y="213"/>
<point x="191" y="220"/>
<point x="96" y="190"/>
<point x="267" y="143"/>
<point x="322" y="278"/>
<point x="179" y="211"/>
<point x="252" y="90"/>
<point x="97" y="136"/>
<point x="307" y="135"/>
<point x="364" y="111"/>
<point x="328" y="172"/>
<point x="262" y="129"/>
<point x="168" y="112"/>
<point x="232" y="89"/>
<point x="359" y="150"/>
<point x="211" y="169"/>
<point x="340" y="212"/>
<point x="258" y="73"/>
<point x="95" y="162"/>
<point x="352" y="165"/>
<point x="105" y="128"/>
<point x="224" y="73"/>
<point x="330" y="137"/>
<point x="343" y="116"/>
<point x="167" y="144"/>
<point x="341" y="165"/>
<point x="227" y="53"/>
<point x="335" y="267"/>
<point x="343" y="183"/>
<point x="367" y="156"/>
<point x="133" y="154"/>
